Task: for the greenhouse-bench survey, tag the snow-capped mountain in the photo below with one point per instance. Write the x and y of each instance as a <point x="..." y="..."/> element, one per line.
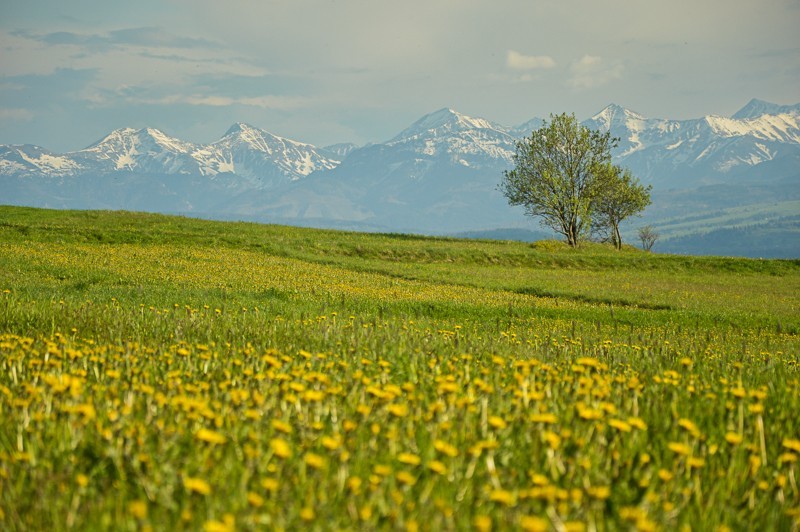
<point x="263" y="158"/>
<point x="463" y="140"/>
<point x="708" y="150"/>
<point x="145" y="150"/>
<point x="440" y="174"/>
<point x="254" y="154"/>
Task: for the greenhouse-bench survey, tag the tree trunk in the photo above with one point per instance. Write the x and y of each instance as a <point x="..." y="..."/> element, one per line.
<point x="617" y="237"/>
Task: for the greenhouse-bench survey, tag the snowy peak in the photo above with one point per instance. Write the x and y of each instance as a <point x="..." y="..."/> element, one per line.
<point x="442" y="122"/>
<point x="146" y="150"/>
<point x="614" y="116"/>
<point x="264" y="158"/>
<point x="756" y="108"/>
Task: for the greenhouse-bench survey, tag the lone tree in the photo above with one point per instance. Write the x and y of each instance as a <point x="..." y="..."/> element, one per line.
<point x="619" y="196"/>
<point x="648" y="236"/>
<point x="557" y="173"/>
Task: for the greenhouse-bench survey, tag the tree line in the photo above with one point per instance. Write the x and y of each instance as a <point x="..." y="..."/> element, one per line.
<point x="564" y="176"/>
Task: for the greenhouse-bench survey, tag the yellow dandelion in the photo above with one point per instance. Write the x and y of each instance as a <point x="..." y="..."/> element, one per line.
<point x="689" y="426"/>
<point x="504" y="497"/>
<point x="196" y="485"/>
<point x="408" y="458"/>
<point x="270" y="484"/>
<point x="398" y="410"/>
<point x="254" y="499"/>
<point x="314" y="460"/>
<point x="281" y="426"/>
<point x="620" y="425"/>
<point x="793" y="445"/>
<point x="679" y="448"/>
<point x="483" y="523"/>
<point x="599" y="492"/>
<point x="307" y="514"/>
<point x="696" y="462"/>
<point x="138" y="509"/>
<point x="787" y="458"/>
<point x="497" y="422"/>
<point x="404" y="477"/>
<point x="530" y="523"/>
<point x="218" y="526"/>
<point x="546" y="418"/>
<point x="210" y="436"/>
<point x="330" y="443"/>
<point x="637" y="422"/>
<point x="445" y="448"/>
<point x="281" y="448"/>
<point x="437" y="467"/>
<point x="733" y="438"/>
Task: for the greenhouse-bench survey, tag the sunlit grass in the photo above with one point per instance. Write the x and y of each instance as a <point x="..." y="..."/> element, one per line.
<point x="173" y="381"/>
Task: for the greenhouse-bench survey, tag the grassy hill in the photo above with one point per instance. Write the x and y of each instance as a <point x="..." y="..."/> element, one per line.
<point x="178" y="373"/>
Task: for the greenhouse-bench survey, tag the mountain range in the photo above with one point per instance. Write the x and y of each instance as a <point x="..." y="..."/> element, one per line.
<point x="437" y="176"/>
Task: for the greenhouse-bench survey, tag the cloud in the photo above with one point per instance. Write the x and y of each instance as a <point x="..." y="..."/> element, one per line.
<point x="518" y="61"/>
<point x="16" y="115"/>
<point x="267" y="101"/>
<point x="147" y="37"/>
<point x="593" y="71"/>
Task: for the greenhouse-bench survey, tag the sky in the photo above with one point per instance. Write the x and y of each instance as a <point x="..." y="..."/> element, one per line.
<point x="329" y="71"/>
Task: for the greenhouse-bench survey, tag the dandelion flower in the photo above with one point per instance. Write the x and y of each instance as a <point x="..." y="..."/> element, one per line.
<point x="196" y="485"/>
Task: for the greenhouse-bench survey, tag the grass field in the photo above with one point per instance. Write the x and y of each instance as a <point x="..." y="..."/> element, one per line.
<point x="166" y="373"/>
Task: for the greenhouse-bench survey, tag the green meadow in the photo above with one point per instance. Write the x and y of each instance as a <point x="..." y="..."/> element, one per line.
<point x="165" y="373"/>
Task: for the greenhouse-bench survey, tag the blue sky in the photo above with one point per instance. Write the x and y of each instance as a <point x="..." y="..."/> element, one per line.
<point x="360" y="71"/>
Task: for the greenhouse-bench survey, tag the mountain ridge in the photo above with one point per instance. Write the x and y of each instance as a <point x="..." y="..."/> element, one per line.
<point x="438" y="175"/>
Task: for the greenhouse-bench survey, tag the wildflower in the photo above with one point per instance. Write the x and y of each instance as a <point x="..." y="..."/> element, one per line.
<point x="331" y="443"/>
<point x="196" y="485"/>
<point x="270" y="484"/>
<point x="504" y="497"/>
<point x="445" y="448"/>
<point x="689" y="426"/>
<point x="281" y="426"/>
<point x="254" y="499"/>
<point x="314" y="460"/>
<point x="665" y="475"/>
<point x="398" y="410"/>
<point x="307" y="514"/>
<point x="226" y="525"/>
<point x="599" y="492"/>
<point x="793" y="445"/>
<point x="619" y="425"/>
<point x="637" y="422"/>
<point x="210" y="436"/>
<point x="138" y="509"/>
<point x="404" y="477"/>
<point x="679" y="448"/>
<point x="546" y="418"/>
<point x="733" y="438"/>
<point x="437" y="467"/>
<point x="483" y="523"/>
<point x="497" y="422"/>
<point x="530" y="523"/>
<point x="408" y="458"/>
<point x="281" y="448"/>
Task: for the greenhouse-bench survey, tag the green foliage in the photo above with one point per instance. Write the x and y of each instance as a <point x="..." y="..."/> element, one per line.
<point x="619" y="196"/>
<point x="556" y="174"/>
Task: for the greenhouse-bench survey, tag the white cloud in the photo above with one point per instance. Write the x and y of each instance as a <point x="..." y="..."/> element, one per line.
<point x="518" y="61"/>
<point x="268" y="101"/>
<point x="593" y="71"/>
<point x="17" y="115"/>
